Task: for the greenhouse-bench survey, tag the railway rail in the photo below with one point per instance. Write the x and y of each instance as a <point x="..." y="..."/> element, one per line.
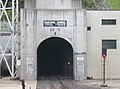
<point x="52" y="83"/>
<point x="59" y="82"/>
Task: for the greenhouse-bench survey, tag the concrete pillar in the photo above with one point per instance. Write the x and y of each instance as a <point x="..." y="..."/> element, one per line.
<point x="30" y="4"/>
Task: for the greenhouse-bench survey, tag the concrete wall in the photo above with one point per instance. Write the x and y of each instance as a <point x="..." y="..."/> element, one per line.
<point x="53" y="4"/>
<point x="30" y="4"/>
<point x="3" y="44"/>
<point x="33" y="33"/>
<point x="94" y="44"/>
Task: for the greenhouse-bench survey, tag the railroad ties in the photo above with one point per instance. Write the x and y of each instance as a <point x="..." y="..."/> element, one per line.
<point x="51" y="82"/>
<point x="60" y="82"/>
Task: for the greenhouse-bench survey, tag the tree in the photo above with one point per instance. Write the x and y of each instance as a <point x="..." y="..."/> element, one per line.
<point x="9" y="12"/>
<point x="21" y="3"/>
<point x="113" y="4"/>
<point x="87" y="4"/>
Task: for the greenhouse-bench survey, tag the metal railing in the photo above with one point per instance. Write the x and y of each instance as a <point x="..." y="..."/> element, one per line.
<point x="8" y="25"/>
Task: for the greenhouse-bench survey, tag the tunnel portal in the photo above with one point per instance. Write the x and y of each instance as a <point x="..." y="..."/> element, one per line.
<point x="55" y="57"/>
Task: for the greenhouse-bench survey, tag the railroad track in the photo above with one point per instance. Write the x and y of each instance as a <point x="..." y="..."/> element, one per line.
<point x="59" y="82"/>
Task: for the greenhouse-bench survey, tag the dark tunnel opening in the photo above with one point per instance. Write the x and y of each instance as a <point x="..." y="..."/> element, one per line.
<point x="55" y="57"/>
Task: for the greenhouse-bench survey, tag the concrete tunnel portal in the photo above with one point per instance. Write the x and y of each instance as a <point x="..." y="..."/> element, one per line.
<point x="55" y="57"/>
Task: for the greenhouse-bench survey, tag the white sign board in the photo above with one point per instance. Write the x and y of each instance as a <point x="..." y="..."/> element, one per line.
<point x="55" y="23"/>
<point x="30" y="65"/>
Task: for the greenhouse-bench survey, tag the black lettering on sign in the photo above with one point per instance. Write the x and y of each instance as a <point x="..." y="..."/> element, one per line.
<point x="55" y="23"/>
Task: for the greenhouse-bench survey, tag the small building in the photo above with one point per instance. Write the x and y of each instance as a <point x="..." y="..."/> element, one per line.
<point x="103" y="29"/>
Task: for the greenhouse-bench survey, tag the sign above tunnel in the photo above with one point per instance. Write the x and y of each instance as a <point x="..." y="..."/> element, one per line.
<point x="55" y="23"/>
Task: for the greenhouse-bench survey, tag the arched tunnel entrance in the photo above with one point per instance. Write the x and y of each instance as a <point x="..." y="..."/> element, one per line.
<point x="55" y="57"/>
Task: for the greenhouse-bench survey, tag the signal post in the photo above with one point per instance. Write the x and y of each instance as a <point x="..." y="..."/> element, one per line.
<point x="104" y="54"/>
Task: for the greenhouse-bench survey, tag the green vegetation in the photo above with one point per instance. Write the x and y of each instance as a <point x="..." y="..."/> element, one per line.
<point x="113" y="4"/>
<point x="9" y="12"/>
<point x="21" y="3"/>
<point x="88" y="4"/>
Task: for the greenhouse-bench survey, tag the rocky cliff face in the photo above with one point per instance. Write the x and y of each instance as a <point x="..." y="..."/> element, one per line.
<point x="95" y="4"/>
<point x="100" y="5"/>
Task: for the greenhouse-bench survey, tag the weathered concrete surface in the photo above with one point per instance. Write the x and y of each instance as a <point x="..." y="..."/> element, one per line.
<point x="96" y="84"/>
<point x="6" y="83"/>
<point x="53" y="4"/>
<point x="85" y="84"/>
<point x="33" y="33"/>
